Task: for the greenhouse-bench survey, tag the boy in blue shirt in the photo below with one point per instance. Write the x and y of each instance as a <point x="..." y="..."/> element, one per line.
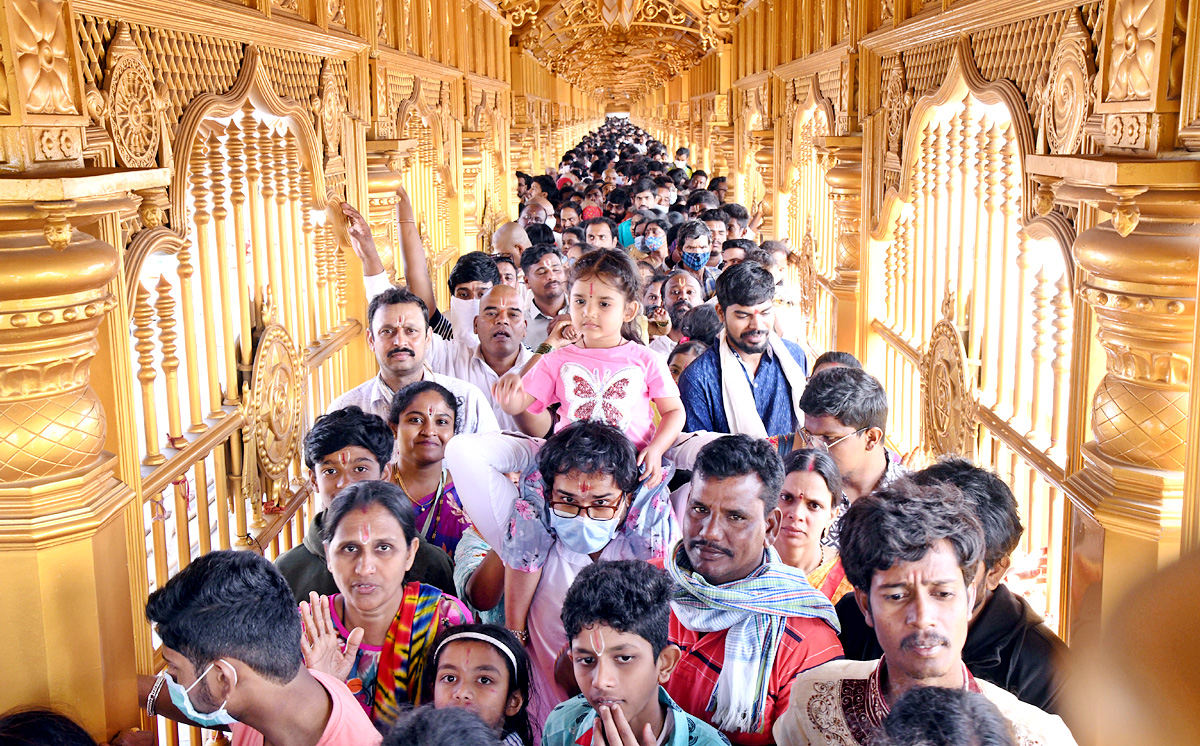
<point x="616" y="616"/>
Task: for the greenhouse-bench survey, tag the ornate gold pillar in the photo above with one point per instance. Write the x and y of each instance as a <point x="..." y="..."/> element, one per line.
<point x="764" y="162"/>
<point x="472" y="161"/>
<point x="845" y="178"/>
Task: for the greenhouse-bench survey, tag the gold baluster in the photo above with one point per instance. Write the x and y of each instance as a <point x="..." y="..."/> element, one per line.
<point x="340" y="284"/>
<point x="216" y="172"/>
<point x="198" y="176"/>
<point x="1041" y="341"/>
<point x="994" y="241"/>
<point x="143" y="319"/>
<point x="1062" y="358"/>
<point x="286" y="294"/>
<point x="236" y="149"/>
<point x="170" y="362"/>
<point x="302" y="271"/>
<point x="203" y="520"/>
<point x="1004" y="390"/>
<point x="221" y="480"/>
<point x="249" y="127"/>
<point x="185" y="270"/>
<point x="311" y="261"/>
<point x="270" y="219"/>
<point x="158" y="538"/>
<point x="237" y="462"/>
<point x="183" y="537"/>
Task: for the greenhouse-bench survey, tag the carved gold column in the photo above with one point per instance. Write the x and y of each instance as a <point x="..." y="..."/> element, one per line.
<point x="472" y="160"/>
<point x="845" y="178"/>
<point x="764" y="163"/>
<point x="385" y="172"/>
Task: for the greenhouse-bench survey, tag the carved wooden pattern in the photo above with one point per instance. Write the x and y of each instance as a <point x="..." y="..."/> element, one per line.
<point x="42" y="54"/>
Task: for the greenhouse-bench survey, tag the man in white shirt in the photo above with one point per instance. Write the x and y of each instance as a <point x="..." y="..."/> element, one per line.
<point x="545" y="276"/>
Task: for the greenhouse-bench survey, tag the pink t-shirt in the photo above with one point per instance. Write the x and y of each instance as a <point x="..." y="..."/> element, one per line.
<point x="613" y="385"/>
<point x="348" y="725"/>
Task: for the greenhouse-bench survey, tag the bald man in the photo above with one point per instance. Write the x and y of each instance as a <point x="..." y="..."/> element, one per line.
<point x="511" y="239"/>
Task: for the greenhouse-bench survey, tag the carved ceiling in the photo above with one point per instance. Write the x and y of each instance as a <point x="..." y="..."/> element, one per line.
<point x="620" y="49"/>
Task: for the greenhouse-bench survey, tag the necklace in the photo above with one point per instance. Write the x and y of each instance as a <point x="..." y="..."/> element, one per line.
<point x="437" y="500"/>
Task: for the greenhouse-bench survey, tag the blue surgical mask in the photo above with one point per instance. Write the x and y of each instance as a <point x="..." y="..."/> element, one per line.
<point x="655" y="243"/>
<point x="695" y="260"/>
<point x="639" y="242"/>
<point x="179" y="697"/>
<point x="582" y="534"/>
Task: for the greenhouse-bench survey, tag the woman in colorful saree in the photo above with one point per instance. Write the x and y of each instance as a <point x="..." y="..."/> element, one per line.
<point x="377" y="632"/>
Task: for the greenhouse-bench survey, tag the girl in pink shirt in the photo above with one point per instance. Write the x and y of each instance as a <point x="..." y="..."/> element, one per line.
<point x="606" y="375"/>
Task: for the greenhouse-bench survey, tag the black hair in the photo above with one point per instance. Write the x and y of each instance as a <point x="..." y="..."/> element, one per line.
<point x="631" y="596"/>
<point x="643" y="185"/>
<point x="539" y="233"/>
<point x="837" y="358"/>
<point x="504" y="259"/>
<point x="744" y="244"/>
<point x="939" y="716"/>
<point x="701" y="324"/>
<point x="692" y="347"/>
<point x="518" y="677"/>
<point x="576" y="231"/>
<point x="534" y="254"/>
<point x="900" y="522"/>
<point x="820" y="463"/>
<point x="347" y="427"/>
<point x="474" y="266"/>
<point x="405" y="396"/>
<point x="661" y="223"/>
<point x="682" y="151"/>
<point x="758" y="255"/>
<point x="987" y="493"/>
<point x="592" y="448"/>
<point x="739" y="455"/>
<point x="570" y="206"/>
<point x="448" y="726"/>
<point x="691" y="229"/>
<point x="612" y="224"/>
<point x="699" y="172"/>
<point x="716" y="182"/>
<point x="851" y="396"/>
<point x="547" y="185"/>
<point x="678" y="176"/>
<point x="522" y="176"/>
<point x="230" y="604"/>
<point x="395" y="296"/>
<point x="703" y="197"/>
<point x="362" y="495"/>
<point x="714" y="216"/>
<point x="772" y="246"/>
<point x="620" y="197"/>
<point x="38" y="726"/>
<point x="744" y="284"/>
<point x="737" y="212"/>
<point x="613" y="267"/>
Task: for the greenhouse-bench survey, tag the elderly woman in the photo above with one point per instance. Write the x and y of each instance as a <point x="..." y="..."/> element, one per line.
<point x="811" y="494"/>
<point x="425" y="415"/>
<point x="377" y="632"/>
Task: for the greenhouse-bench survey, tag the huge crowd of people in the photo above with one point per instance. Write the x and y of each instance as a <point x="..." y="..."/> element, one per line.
<point x="611" y="495"/>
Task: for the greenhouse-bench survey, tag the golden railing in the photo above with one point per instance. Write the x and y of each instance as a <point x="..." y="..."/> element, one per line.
<point x="972" y="312"/>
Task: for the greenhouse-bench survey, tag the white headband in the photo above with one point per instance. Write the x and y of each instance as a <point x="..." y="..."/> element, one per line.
<point x="512" y="657"/>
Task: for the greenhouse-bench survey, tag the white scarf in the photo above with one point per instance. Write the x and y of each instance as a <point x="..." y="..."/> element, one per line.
<point x="737" y="396"/>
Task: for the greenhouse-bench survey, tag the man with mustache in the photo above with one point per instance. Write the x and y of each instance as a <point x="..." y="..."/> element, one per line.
<point x="749" y="382"/>
<point x="681" y="292"/>
<point x="747" y="623"/>
<point x="912" y="553"/>
<point x="546" y="279"/>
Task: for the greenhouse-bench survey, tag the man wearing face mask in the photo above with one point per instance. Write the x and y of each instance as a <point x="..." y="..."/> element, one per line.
<point x="681" y="160"/>
<point x="582" y="483"/>
<point x="232" y="649"/>
<point x="694" y="240"/>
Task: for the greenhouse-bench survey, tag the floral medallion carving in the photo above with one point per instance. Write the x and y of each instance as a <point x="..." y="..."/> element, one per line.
<point x="130" y="107"/>
<point x="42" y="56"/>
<point x="1135" y="40"/>
<point x="947" y="404"/>
<point x="277" y="389"/>
<point x="332" y="109"/>
<point x="337" y="11"/>
<point x="1066" y="96"/>
<point x="897" y="101"/>
<point x="807" y="271"/>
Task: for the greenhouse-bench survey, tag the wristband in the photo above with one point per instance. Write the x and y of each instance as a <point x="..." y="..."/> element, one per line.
<point x="545" y="348"/>
<point x="154" y="695"/>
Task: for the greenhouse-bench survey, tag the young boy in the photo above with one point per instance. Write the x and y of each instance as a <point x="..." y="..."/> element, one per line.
<point x="343" y="447"/>
<point x="616" y="616"/>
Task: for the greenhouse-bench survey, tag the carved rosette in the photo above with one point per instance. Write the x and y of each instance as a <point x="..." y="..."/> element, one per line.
<point x="1066" y="99"/>
<point x="277" y="390"/>
<point x="948" y="422"/>
<point x="331" y="110"/>
<point x="42" y="53"/>
<point x="897" y="101"/>
<point x="130" y="107"/>
<point x="1135" y="35"/>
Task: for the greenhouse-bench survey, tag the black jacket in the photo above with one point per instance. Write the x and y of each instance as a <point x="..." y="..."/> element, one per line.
<point x="305" y="569"/>
<point x="1008" y="645"/>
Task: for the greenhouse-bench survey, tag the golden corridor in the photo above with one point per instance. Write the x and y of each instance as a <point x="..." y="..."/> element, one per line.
<point x="993" y="205"/>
